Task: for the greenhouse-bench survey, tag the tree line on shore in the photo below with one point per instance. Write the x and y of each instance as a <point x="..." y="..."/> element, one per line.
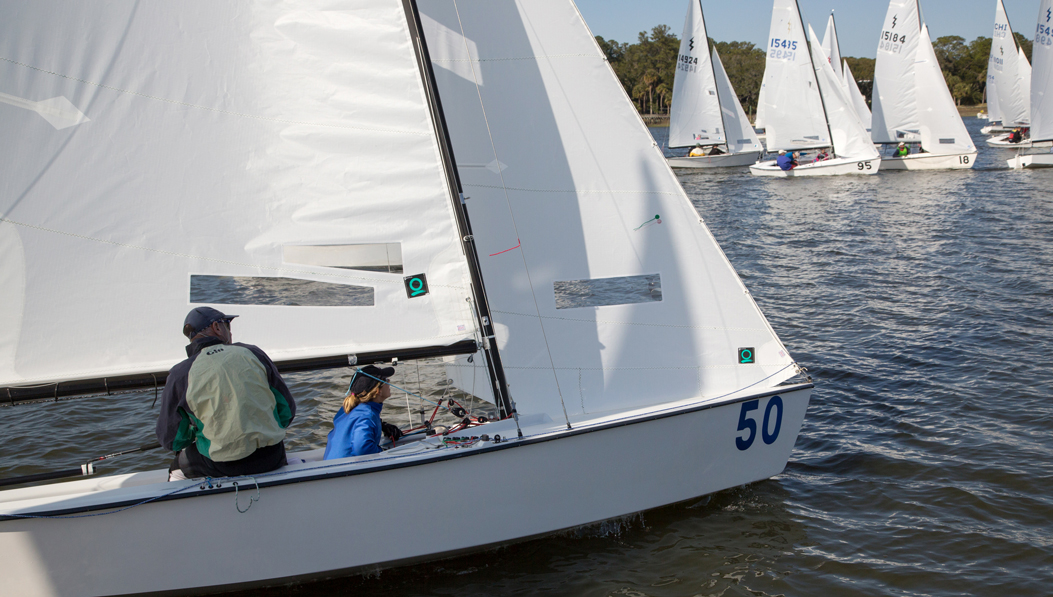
<point x="646" y="68"/>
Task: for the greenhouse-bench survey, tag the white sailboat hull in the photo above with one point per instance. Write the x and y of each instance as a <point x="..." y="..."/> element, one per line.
<point x="335" y="517"/>
<point x="1037" y="160"/>
<point x="928" y="161"/>
<point x="1003" y="141"/>
<point x="716" y="161"/>
<point x="994" y="129"/>
<point x="832" y="167"/>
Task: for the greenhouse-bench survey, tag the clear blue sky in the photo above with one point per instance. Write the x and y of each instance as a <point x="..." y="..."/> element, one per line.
<point x="858" y="21"/>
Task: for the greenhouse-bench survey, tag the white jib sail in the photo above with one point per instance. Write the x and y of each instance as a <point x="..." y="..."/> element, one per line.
<point x="741" y="136"/>
<point x="1042" y="75"/>
<point x="220" y="145"/>
<point x="695" y="112"/>
<point x="850" y="138"/>
<point x="1025" y="77"/>
<point x="942" y="129"/>
<point x="859" y="102"/>
<point x="793" y="109"/>
<point x="831" y="46"/>
<point x="758" y="121"/>
<point x="1005" y="59"/>
<point x="894" y="98"/>
<point x="598" y="304"/>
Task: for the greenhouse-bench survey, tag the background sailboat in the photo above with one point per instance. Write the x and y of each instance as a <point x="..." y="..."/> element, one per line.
<point x="807" y="106"/>
<point x="1012" y="73"/>
<point x="220" y="136"/>
<point x="911" y="101"/>
<point x="832" y="48"/>
<point x="858" y="101"/>
<point x="1041" y="92"/>
<point x="705" y="110"/>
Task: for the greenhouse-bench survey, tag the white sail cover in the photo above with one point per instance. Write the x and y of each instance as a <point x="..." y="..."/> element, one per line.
<point x="1013" y="99"/>
<point x="149" y="143"/>
<point x="695" y="111"/>
<point x="894" y="98"/>
<point x="1042" y="75"/>
<point x="850" y="138"/>
<point x="793" y="110"/>
<point x="741" y="136"/>
<point x="571" y="203"/>
<point x="831" y="47"/>
<point x="859" y="102"/>
<point x="940" y="124"/>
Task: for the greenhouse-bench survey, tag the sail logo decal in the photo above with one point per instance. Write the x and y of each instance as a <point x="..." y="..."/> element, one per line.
<point x="1049" y="13"/>
<point x="747" y="356"/>
<point x="691" y="45"/>
<point x="894" y="17"/>
<point x="416" y="286"/>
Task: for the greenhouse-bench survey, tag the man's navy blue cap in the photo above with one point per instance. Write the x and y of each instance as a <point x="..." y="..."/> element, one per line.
<point x="201" y="318"/>
<point x="360" y="384"/>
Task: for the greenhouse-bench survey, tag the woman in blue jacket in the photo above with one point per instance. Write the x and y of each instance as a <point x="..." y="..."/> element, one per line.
<point x="357" y="427"/>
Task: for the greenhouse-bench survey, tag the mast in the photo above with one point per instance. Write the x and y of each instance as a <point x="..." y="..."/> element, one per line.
<point x="826" y="117"/>
<point x="713" y="70"/>
<point x="481" y="306"/>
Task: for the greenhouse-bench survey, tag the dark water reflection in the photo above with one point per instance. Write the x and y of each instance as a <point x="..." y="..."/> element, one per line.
<point x="921" y="304"/>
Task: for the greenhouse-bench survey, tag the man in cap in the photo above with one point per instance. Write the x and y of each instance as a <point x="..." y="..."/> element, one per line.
<point x="225" y="408"/>
<point x="696" y="151"/>
<point x="902" y="150"/>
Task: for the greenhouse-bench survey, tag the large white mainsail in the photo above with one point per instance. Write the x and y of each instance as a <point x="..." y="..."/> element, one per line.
<point x="1008" y="72"/>
<point x="598" y="208"/>
<point x="695" y="116"/>
<point x="849" y="137"/>
<point x="858" y="101"/>
<point x="1042" y="76"/>
<point x="793" y="109"/>
<point x="740" y="134"/>
<point x="831" y="47"/>
<point x="894" y="98"/>
<point x="183" y="153"/>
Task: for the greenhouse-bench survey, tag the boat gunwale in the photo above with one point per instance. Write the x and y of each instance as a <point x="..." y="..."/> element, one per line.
<point x="224" y="487"/>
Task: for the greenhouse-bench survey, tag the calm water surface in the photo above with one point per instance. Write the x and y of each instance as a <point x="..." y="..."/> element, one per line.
<point x="921" y="304"/>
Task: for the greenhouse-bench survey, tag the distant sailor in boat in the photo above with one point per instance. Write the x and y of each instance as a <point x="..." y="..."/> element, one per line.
<point x="697" y="151"/>
<point x="786" y="161"/>
<point x="902" y="151"/>
<point x="1016" y="136"/>
<point x="225" y="408"/>
<point x="357" y="427"/>
<point x="823" y="155"/>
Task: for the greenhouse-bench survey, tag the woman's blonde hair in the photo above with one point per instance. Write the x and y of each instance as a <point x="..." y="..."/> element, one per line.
<point x="353" y="400"/>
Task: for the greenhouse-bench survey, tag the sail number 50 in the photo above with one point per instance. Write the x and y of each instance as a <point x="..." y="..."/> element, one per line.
<point x="771" y="424"/>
